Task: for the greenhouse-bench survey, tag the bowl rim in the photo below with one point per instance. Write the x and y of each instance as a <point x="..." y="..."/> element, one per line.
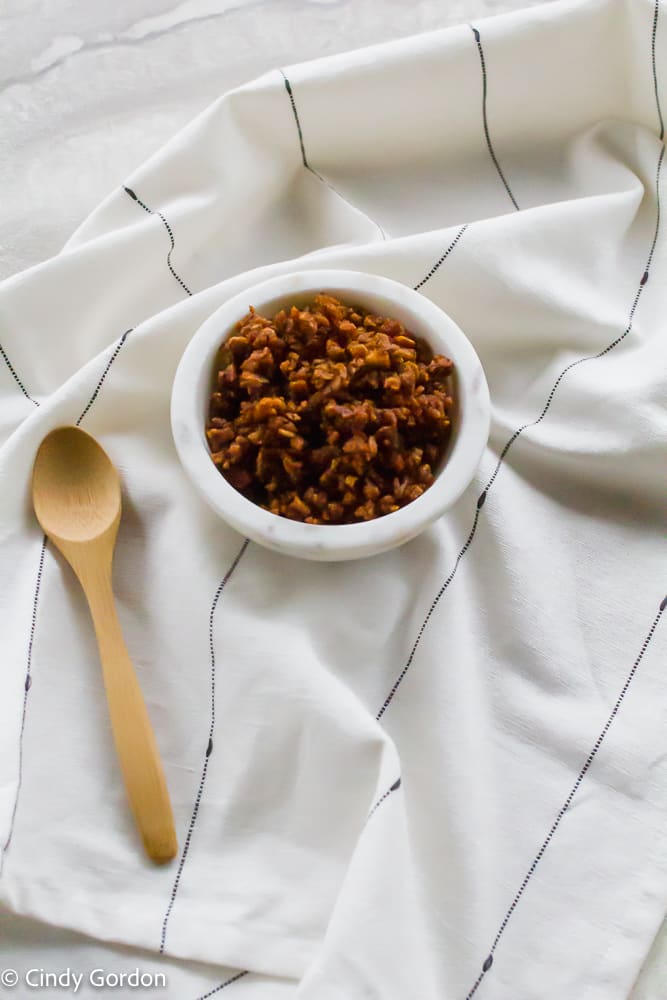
<point x="323" y="541"/>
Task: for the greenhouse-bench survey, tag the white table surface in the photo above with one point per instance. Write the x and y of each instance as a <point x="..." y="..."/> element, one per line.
<point x="88" y="90"/>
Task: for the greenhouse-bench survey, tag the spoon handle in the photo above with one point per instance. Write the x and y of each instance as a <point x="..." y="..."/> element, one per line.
<point x="133" y="734"/>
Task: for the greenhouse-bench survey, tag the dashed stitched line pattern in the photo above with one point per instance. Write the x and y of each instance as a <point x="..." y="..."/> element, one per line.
<point x="288" y="88"/>
<point x="227" y="982"/>
<point x="441" y="260"/>
<point x="492" y="154"/>
<point x="655" y="72"/>
<point x="392" y="788"/>
<point x="290" y="93"/>
<point x="609" y="347"/>
<point x="26" y="688"/>
<point x="18" y="381"/>
<point x="114" y="355"/>
<point x="436" y="600"/>
<point x="488" y="961"/>
<point x="517" y="434"/>
<point x="485" y="119"/>
<point x="170" y="234"/>
<point x="207" y="754"/>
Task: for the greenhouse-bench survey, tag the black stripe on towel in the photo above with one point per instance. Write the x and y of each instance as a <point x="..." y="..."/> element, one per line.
<point x="485" y="120"/>
<point x="297" y="121"/>
<point x="170" y="234"/>
<point x="488" y="961"/>
<point x="655" y="72"/>
<point x="114" y="355"/>
<point x="492" y="153"/>
<point x="26" y="688"/>
<point x="436" y="600"/>
<point x="207" y="753"/>
<point x="392" y="788"/>
<point x="519" y="431"/>
<point x="12" y="372"/>
<point x="227" y="982"/>
<point x="290" y="94"/>
<point x="442" y="259"/>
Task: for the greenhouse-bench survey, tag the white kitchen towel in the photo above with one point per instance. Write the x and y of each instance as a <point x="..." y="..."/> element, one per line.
<point x="440" y="772"/>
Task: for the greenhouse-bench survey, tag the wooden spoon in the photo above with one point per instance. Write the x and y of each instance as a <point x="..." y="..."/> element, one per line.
<point x="76" y="495"/>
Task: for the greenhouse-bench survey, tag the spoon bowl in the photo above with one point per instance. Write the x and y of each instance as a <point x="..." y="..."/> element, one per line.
<point x="77" y="501"/>
<point x="76" y="489"/>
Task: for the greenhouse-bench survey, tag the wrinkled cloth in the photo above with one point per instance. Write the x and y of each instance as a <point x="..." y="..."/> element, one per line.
<point x="436" y="773"/>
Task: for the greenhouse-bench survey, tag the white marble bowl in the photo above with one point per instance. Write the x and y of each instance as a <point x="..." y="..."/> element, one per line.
<point x="470" y="422"/>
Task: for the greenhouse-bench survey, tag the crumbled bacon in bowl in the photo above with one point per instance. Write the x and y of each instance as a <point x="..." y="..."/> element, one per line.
<point x="328" y="414"/>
